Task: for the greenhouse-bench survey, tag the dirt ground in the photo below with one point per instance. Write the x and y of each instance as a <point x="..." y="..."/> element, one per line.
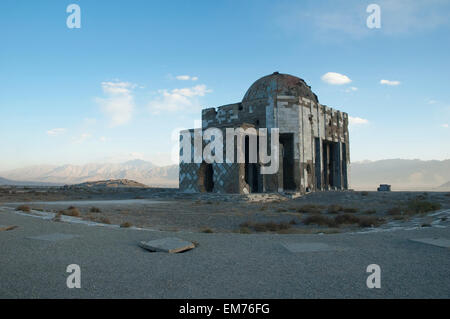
<point x="170" y="210"/>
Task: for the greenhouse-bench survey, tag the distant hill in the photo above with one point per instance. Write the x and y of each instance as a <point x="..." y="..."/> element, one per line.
<point x="444" y="187"/>
<point x="141" y="171"/>
<point x="4" y="181"/>
<point x="112" y="183"/>
<point x="401" y="174"/>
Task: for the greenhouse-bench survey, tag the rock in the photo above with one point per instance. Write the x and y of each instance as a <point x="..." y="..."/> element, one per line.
<point x="169" y="245"/>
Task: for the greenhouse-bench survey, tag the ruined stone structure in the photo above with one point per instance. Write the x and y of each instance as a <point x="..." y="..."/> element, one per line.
<point x="314" y="142"/>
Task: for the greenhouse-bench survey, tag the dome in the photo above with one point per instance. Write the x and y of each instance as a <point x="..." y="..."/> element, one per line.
<point x="281" y="84"/>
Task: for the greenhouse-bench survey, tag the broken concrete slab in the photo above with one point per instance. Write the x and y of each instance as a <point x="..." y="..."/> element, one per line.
<point x="169" y="245"/>
<point x="309" y="247"/>
<point x="439" y="242"/>
<point x="54" y="237"/>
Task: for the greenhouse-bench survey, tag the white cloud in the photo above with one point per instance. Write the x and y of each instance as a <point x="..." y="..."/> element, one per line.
<point x="388" y="82"/>
<point x="119" y="105"/>
<point x="178" y="99"/>
<point x="56" y="131"/>
<point x="357" y="121"/>
<point x="83" y="137"/>
<point x="444" y="125"/>
<point x="335" y="78"/>
<point x="351" y="89"/>
<point x="102" y="139"/>
<point x="186" y="78"/>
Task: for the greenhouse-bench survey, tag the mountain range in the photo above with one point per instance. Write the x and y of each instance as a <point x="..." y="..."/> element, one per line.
<point x="366" y="175"/>
<point x="137" y="170"/>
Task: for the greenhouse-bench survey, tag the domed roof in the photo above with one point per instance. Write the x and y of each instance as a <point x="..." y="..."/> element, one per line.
<point x="279" y="84"/>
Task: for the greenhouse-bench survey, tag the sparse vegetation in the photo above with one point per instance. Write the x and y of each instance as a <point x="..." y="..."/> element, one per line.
<point x="319" y="220"/>
<point x="95" y="210"/>
<point x="350" y="210"/>
<point x="422" y="207"/>
<point x="244" y="230"/>
<point x="311" y="209"/>
<point x="24" y="208"/>
<point x="105" y="220"/>
<point x="346" y="219"/>
<point x="266" y="227"/>
<point x="334" y="209"/>
<point x="370" y="212"/>
<point x="369" y="221"/>
<point x="207" y="230"/>
<point x="124" y="225"/>
<point x="395" y="211"/>
<point x="364" y="193"/>
<point x="71" y="211"/>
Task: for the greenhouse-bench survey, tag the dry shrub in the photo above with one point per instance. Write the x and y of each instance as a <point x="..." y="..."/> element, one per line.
<point x="394" y="211"/>
<point x="346" y="219"/>
<point x="123" y="225"/>
<point x="207" y="231"/>
<point x="95" y="210"/>
<point x="105" y="220"/>
<point x="24" y="208"/>
<point x="266" y="227"/>
<point x="312" y="209"/>
<point x="334" y="209"/>
<point x="370" y="221"/>
<point x="319" y="220"/>
<point x="71" y="211"/>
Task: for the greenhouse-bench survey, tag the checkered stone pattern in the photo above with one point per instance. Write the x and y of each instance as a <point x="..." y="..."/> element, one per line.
<point x="226" y="177"/>
<point x="188" y="177"/>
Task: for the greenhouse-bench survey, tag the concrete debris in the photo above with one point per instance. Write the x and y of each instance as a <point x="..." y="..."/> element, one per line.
<point x="439" y="242"/>
<point x="169" y="245"/>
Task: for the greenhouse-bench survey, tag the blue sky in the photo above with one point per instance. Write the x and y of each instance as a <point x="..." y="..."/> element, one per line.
<point x="118" y="87"/>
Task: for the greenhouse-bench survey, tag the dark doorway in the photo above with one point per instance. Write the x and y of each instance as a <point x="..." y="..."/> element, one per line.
<point x="331" y="165"/>
<point x="287" y="141"/>
<point x="251" y="169"/>
<point x="206" y="177"/>
<point x="317" y="164"/>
